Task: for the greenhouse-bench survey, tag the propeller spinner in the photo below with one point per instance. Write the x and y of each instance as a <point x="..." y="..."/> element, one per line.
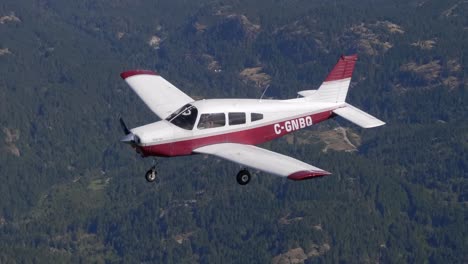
<point x="129" y="137"/>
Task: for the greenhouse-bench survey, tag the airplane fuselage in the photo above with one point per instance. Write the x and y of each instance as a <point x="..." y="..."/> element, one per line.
<point x="243" y="121"/>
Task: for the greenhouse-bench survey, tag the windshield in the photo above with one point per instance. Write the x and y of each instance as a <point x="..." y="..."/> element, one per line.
<point x="185" y="117"/>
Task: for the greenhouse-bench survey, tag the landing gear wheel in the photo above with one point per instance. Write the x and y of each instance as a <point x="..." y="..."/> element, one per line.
<point x="243" y="177"/>
<point x="151" y="175"/>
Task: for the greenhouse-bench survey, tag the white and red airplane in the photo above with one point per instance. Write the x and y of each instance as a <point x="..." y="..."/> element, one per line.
<point x="229" y="128"/>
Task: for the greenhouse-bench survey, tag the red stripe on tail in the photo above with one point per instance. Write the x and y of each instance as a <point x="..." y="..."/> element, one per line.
<point x="343" y="69"/>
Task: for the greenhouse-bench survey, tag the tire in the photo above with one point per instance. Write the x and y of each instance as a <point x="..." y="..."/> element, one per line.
<point x="243" y="177"/>
<point x="151" y="175"/>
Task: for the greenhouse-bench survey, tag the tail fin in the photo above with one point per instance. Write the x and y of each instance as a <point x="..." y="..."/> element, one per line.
<point x="334" y="90"/>
<point x="335" y="87"/>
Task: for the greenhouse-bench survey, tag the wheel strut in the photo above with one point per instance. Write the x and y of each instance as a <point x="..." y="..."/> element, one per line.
<point x="152" y="173"/>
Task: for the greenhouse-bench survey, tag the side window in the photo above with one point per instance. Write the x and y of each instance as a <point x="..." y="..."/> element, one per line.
<point x="236" y="118"/>
<point x="256" y="116"/>
<point x="212" y="120"/>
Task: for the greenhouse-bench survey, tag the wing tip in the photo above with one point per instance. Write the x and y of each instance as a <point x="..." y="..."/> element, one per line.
<point x="131" y="73"/>
<point x="376" y="124"/>
<point x="304" y="175"/>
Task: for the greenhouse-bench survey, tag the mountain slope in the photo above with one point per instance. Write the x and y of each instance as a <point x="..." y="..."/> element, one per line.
<point x="71" y="193"/>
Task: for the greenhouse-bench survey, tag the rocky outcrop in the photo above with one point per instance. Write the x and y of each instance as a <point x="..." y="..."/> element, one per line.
<point x="425" y="44"/>
<point x="231" y="27"/>
<point x="11" y="136"/>
<point x="5" y="51"/>
<point x="154" y="42"/>
<point x="256" y="76"/>
<point x="298" y="255"/>
<point x="295" y="255"/>
<point x="372" y="39"/>
<point x="431" y="74"/>
<point x="9" y="18"/>
<point x="428" y="71"/>
<point x="180" y="238"/>
<point x="368" y="41"/>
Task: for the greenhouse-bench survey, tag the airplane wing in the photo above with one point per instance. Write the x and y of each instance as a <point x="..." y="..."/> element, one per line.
<point x="264" y="160"/>
<point x="159" y="95"/>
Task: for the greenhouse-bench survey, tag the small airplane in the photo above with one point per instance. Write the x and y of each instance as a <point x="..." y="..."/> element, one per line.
<point x="230" y="128"/>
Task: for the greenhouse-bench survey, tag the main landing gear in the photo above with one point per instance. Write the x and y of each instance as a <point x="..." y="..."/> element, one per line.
<point x="243" y="177"/>
<point x="152" y="174"/>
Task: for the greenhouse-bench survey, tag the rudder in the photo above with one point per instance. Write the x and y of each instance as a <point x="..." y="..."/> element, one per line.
<point x="335" y="87"/>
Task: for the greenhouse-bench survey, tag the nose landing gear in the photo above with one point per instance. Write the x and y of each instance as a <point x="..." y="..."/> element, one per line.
<point x="152" y="174"/>
<point x="243" y="177"/>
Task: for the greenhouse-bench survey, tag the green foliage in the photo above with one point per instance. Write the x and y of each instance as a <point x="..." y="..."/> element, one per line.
<point x="75" y="195"/>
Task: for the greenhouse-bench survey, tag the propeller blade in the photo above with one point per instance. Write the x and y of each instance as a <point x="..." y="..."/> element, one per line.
<point x="129" y="138"/>
<point x="124" y="127"/>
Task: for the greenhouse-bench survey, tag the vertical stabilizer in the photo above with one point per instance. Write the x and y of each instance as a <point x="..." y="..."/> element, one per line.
<point x="335" y="87"/>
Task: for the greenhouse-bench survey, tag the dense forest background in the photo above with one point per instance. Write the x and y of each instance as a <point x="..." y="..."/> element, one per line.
<point x="71" y="193"/>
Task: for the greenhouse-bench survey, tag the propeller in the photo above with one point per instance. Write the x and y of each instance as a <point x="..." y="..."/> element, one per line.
<point x="129" y="137"/>
<point x="124" y="127"/>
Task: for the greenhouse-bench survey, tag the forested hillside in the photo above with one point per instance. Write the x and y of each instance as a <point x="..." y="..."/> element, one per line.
<point x="72" y="193"/>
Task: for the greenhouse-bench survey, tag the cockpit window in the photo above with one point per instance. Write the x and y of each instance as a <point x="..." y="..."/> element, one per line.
<point x="185" y="117"/>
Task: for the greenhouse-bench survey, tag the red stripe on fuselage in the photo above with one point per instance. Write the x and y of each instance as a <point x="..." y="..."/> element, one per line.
<point x="250" y="136"/>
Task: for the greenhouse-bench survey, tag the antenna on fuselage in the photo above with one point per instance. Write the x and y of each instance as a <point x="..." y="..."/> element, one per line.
<point x="264" y="91"/>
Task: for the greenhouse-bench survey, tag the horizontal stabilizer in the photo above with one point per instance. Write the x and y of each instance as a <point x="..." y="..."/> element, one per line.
<point x="358" y="116"/>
